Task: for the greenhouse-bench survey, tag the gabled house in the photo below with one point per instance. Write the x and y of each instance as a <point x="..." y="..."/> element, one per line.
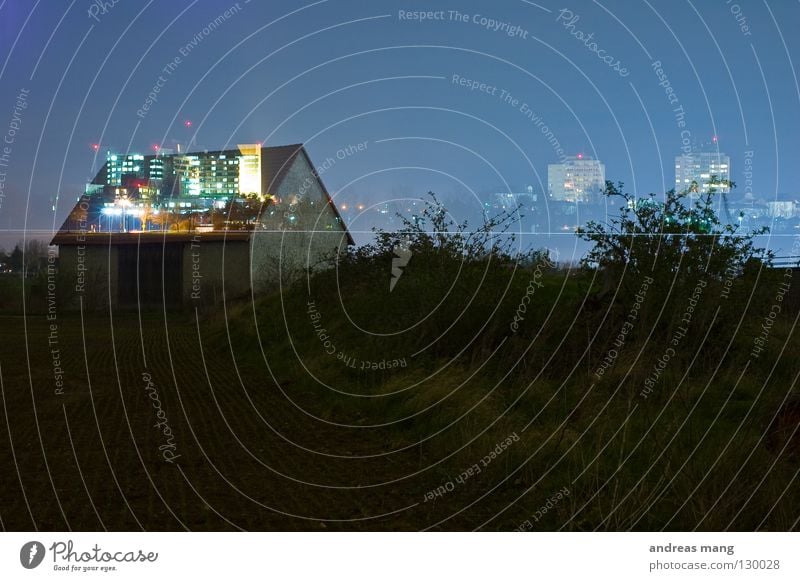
<point x="170" y="239"/>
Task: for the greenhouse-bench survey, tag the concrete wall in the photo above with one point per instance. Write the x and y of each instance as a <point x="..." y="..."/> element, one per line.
<point x="207" y="267"/>
<point x="214" y="269"/>
<point x="88" y="272"/>
<point x="282" y="257"/>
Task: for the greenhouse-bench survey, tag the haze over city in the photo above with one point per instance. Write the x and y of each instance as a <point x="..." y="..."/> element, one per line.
<point x="465" y="121"/>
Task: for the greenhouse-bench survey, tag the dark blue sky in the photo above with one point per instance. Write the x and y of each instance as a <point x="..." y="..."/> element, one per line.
<point x="338" y="73"/>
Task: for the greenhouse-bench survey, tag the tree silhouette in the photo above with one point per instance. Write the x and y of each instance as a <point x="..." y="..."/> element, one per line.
<point x="675" y="238"/>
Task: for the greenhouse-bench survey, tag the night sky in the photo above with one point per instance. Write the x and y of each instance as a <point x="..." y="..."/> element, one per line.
<point x="333" y="74"/>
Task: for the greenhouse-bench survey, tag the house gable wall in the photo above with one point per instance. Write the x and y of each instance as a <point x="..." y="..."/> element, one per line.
<point x="299" y="237"/>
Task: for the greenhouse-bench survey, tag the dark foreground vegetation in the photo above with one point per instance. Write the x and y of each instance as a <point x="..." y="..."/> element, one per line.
<point x="654" y="388"/>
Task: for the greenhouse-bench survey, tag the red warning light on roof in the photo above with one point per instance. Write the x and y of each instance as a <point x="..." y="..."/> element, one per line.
<point x="96" y="146"/>
<point x="714" y="139"/>
<point x="156" y="147"/>
<point x="580" y="156"/>
<point x="187" y="123"/>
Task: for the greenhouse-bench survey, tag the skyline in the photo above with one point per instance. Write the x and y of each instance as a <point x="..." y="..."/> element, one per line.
<point x="454" y="103"/>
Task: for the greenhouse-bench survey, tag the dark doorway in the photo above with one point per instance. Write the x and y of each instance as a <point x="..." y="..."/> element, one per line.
<point x="158" y="268"/>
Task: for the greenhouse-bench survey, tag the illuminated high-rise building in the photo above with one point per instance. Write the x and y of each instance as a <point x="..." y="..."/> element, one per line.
<point x="250" y="170"/>
<point x="207" y="175"/>
<point x="699" y="168"/>
<point x="579" y="179"/>
<point x="118" y="165"/>
<point x="218" y="175"/>
<point x="121" y="167"/>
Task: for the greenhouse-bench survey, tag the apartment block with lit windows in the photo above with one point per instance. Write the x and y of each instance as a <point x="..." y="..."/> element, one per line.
<point x="578" y="179"/>
<point x="214" y="175"/>
<point x="700" y="167"/>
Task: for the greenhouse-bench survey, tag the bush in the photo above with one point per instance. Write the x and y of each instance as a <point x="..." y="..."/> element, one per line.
<point x="674" y="241"/>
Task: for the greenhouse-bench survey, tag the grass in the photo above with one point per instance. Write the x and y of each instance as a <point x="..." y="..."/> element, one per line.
<point x="275" y="432"/>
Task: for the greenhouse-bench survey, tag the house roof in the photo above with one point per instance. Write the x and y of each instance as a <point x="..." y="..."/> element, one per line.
<point x="275" y="164"/>
<point x="276" y="161"/>
<point x="350" y="240"/>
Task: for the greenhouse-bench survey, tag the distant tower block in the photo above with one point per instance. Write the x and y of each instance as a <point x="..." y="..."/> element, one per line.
<point x="579" y="179"/>
<point x="700" y="167"/>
